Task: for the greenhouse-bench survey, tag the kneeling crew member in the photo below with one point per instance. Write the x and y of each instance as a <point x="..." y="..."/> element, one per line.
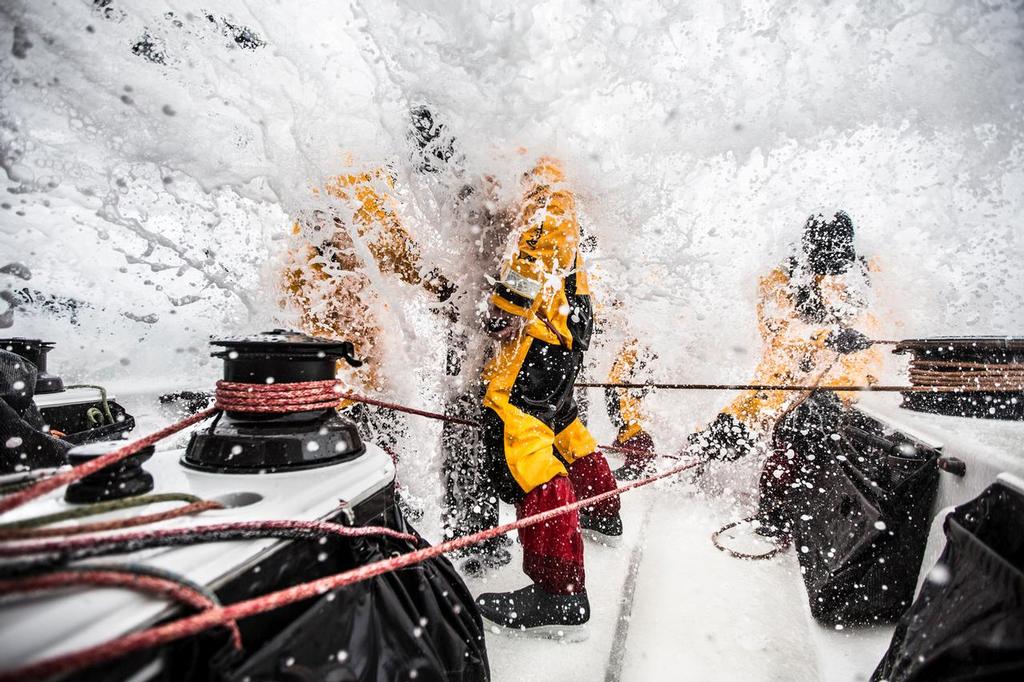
<point x="808" y="313"/>
<point x="540" y="454"/>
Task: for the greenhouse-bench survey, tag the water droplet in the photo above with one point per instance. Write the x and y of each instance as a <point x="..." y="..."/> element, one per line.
<point x="939" y="575"/>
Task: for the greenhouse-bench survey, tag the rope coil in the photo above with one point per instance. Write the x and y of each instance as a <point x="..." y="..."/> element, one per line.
<point x="780" y="546"/>
<point x="303" y="396"/>
<point x="975" y="375"/>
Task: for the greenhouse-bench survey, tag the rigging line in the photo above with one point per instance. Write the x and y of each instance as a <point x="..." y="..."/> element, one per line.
<point x="799" y="387"/>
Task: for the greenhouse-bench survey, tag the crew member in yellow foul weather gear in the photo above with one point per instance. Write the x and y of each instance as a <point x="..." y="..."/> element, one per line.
<point x="326" y="281"/>
<point x="325" y="278"/>
<point x="626" y="411"/>
<point x="632" y="363"/>
<point x="540" y="454"/>
<point x="811" y="314"/>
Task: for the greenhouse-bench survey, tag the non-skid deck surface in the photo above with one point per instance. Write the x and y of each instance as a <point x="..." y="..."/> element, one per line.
<point x="696" y="614"/>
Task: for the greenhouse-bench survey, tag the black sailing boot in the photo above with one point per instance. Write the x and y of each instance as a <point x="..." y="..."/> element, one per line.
<point x="602" y="529"/>
<point x="532" y="611"/>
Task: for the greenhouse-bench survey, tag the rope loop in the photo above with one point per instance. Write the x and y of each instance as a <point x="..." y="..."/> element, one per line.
<point x="780" y="547"/>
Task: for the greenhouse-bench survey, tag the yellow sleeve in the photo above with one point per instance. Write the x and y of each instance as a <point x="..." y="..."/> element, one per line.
<point x="775" y="310"/>
<point x="376" y="220"/>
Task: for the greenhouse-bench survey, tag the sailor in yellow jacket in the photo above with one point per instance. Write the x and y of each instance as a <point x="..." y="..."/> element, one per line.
<point x="632" y="364"/>
<point x="327" y="282"/>
<point x="540" y="454"/>
<point x="626" y="410"/>
<point x="810" y="314"/>
<point x="326" y="279"/>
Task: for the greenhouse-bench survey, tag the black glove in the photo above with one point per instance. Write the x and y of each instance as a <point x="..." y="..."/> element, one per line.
<point x="501" y="325"/>
<point x="726" y="438"/>
<point x="847" y="341"/>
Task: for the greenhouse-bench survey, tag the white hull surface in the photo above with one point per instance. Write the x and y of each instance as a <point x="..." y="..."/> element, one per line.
<point x="36" y="628"/>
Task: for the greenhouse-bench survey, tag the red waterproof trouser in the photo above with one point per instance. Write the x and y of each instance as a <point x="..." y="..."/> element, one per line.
<point x="591" y="476"/>
<point x="553" y="550"/>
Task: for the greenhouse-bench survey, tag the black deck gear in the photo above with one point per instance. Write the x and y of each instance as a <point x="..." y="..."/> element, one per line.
<point x="859" y="510"/>
<point x="968" y="621"/>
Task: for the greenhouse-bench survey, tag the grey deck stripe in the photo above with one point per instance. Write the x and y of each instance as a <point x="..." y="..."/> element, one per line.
<point x="617" y="655"/>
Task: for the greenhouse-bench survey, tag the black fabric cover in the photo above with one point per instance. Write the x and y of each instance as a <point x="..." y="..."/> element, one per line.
<point x="419" y="622"/>
<point x="968" y="621"/>
<point x="858" y="509"/>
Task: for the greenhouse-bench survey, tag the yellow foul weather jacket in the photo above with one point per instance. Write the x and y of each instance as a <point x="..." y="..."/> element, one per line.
<point x="545" y="269"/>
<point x="625" y="407"/>
<point x="325" y="279"/>
<point x="794" y="342"/>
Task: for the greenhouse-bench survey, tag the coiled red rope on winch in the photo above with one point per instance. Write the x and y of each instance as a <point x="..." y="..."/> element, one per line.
<point x="278" y="398"/>
<point x="214" y="617"/>
<point x="230" y="396"/>
<point x="305" y="396"/>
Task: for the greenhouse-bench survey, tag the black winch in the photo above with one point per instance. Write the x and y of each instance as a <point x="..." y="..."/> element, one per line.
<point x="35" y="351"/>
<point x="977" y="365"/>
<point x="252" y="442"/>
<point x="127" y="478"/>
<point x="42" y="415"/>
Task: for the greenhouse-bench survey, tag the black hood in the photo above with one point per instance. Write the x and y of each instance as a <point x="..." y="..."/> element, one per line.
<point x="828" y="243"/>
